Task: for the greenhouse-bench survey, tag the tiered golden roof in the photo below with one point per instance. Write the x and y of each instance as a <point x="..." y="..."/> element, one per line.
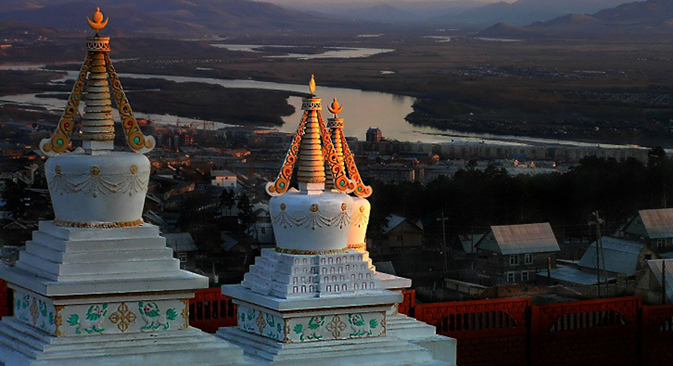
<point x="311" y="148"/>
<point x="345" y="157"/>
<point x="97" y="123"/>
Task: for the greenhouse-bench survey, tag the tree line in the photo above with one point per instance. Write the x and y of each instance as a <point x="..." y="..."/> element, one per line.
<point x="480" y="198"/>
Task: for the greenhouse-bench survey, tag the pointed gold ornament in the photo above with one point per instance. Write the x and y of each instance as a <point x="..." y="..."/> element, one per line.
<point x="97" y="23"/>
<point x="311" y="85"/>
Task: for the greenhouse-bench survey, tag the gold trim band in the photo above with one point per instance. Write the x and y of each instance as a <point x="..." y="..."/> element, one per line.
<point x="359" y="247"/>
<point x="311" y="252"/>
<point x="98" y="225"/>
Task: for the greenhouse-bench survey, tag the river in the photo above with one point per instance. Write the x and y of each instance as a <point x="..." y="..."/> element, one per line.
<point x="362" y="110"/>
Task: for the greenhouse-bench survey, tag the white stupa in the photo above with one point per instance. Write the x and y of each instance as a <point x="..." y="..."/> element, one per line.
<point x="97" y="286"/>
<point x="312" y="299"/>
<point x="399" y="325"/>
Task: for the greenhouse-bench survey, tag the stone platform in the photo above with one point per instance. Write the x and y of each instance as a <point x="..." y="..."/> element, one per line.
<point x="90" y="296"/>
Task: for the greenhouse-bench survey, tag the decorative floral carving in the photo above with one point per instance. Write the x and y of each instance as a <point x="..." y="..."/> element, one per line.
<point x="123" y="317"/>
<point x="99" y="225"/>
<point x="336" y="326"/>
<point x="35" y="311"/>
<point x="314" y="219"/>
<point x="360" y="218"/>
<point x="185" y="314"/>
<point x="311" y="252"/>
<point x="98" y="182"/>
<point x="261" y="323"/>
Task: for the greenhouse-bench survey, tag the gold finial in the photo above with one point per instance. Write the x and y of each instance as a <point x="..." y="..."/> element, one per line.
<point x="311" y="85"/>
<point x="335" y="107"/>
<point x="97" y="23"/>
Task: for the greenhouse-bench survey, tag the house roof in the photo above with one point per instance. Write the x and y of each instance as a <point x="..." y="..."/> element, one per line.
<point x="154" y="218"/>
<point x="520" y="239"/>
<point x="621" y="255"/>
<point x="222" y="173"/>
<point x="395" y="221"/>
<point x="180" y="242"/>
<point x="652" y="224"/>
<point x="656" y="266"/>
<point x="573" y="275"/>
<point x="228" y="241"/>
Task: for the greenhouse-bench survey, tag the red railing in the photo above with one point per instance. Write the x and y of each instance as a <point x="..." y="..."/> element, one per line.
<point x="602" y="331"/>
<point x="657" y="335"/>
<point x="209" y="310"/>
<point x="489" y="332"/>
<point x="408" y="303"/>
<point x="6" y="299"/>
<point x="618" y="331"/>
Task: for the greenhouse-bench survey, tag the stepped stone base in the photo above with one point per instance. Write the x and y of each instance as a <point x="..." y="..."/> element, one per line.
<point x="63" y="261"/>
<point x="23" y="345"/>
<point x="422" y="334"/>
<point x="419" y="333"/>
<point x="378" y="351"/>
<point x="341" y="330"/>
<point x="87" y="296"/>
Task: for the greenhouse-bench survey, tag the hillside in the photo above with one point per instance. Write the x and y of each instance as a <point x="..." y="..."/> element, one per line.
<point x="169" y="16"/>
<point x="522" y="12"/>
<point x="637" y="18"/>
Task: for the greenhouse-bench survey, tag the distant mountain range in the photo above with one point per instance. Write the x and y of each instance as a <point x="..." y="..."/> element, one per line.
<point x="643" y="17"/>
<point x="166" y="16"/>
<point x="521" y="12"/>
<point x="183" y="18"/>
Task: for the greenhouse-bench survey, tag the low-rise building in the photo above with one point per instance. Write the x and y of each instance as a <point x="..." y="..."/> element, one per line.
<point x="616" y="257"/>
<point x="515" y="253"/>
<point x="184" y="248"/>
<point x="223" y="178"/>
<point x="399" y="235"/>
<point x="652" y="227"/>
<point x="617" y="262"/>
<point x="656" y="285"/>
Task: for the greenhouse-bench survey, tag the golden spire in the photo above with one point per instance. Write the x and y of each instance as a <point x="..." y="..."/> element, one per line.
<point x="311" y="167"/>
<point x="311" y="148"/>
<point x="311" y="85"/>
<point x="336" y="125"/>
<point x="97" y="23"/>
<point x="345" y="157"/>
<point x="100" y="78"/>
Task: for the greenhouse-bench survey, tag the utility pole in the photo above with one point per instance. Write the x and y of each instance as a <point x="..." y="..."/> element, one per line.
<point x="663" y="282"/>
<point x="444" y="265"/>
<point x="599" y="249"/>
<point x="548" y="271"/>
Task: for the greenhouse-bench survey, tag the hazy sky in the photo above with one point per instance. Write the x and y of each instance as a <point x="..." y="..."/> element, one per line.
<point x="281" y="2"/>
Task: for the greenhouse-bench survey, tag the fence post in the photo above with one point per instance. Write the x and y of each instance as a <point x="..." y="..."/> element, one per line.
<point x="640" y="341"/>
<point x="534" y="336"/>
